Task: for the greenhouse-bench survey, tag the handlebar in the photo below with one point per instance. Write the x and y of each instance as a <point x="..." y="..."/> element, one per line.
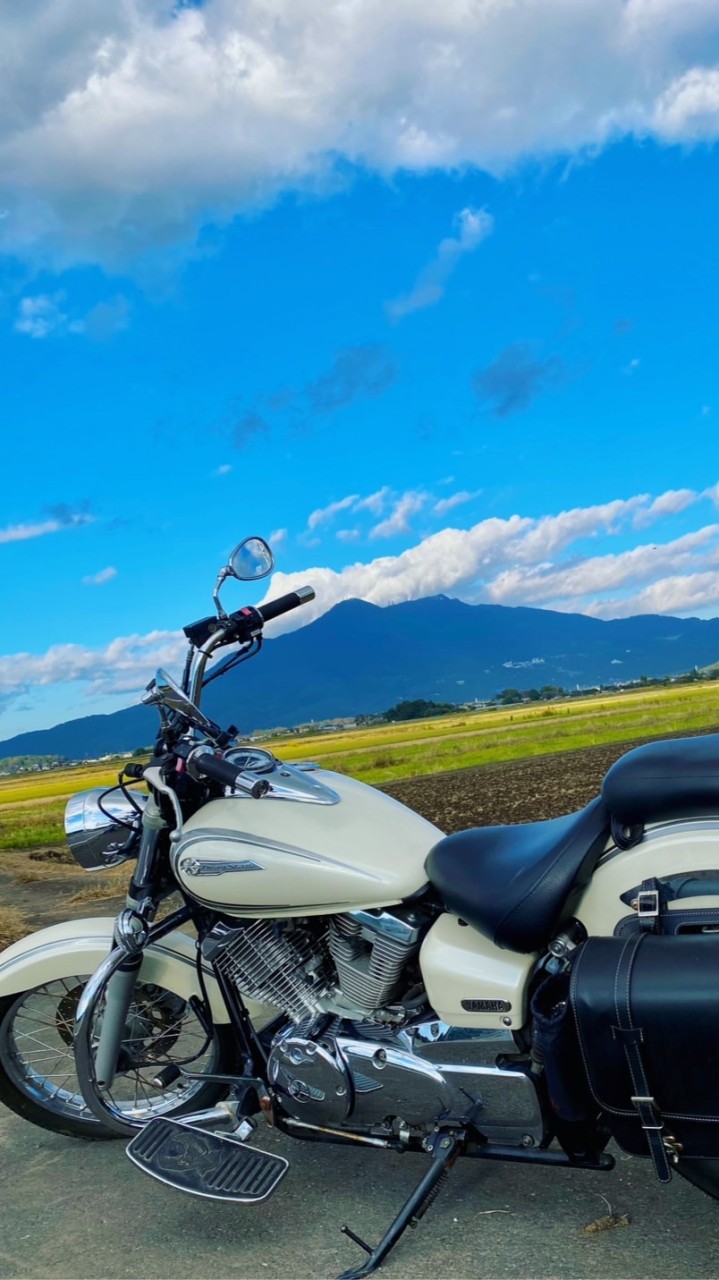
<point x="244" y="624"/>
<point x="284" y="604"/>
<point x="203" y="762"/>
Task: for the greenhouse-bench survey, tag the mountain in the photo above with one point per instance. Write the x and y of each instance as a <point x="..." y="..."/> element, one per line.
<point x="362" y="658"/>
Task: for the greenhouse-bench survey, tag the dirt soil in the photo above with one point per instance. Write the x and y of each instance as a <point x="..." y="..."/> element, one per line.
<point x="518" y="791"/>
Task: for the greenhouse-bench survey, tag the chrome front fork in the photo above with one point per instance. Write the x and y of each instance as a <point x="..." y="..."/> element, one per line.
<point x="97" y="1057"/>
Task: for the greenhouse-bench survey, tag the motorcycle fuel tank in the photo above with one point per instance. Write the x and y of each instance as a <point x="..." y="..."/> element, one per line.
<point x="317" y="843"/>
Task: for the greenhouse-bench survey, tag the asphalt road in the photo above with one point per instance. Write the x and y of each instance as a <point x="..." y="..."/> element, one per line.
<point x="75" y="1210"/>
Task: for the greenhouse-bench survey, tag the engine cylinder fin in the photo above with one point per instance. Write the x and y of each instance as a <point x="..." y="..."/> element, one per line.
<point x="283" y="965"/>
<point x="369" y="962"/>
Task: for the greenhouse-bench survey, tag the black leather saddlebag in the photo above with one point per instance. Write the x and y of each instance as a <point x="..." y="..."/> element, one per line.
<point x="646" y="1010"/>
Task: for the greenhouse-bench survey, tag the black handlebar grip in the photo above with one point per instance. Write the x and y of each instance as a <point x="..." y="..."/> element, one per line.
<point x="226" y="773"/>
<point x="283" y="604"/>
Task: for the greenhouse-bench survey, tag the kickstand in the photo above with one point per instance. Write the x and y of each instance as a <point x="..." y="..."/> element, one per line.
<point x="445" y="1147"/>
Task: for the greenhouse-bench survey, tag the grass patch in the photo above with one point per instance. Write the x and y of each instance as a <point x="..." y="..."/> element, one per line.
<point x="518" y="734"/>
<point x="14" y="925"/>
<point x="58" y="783"/>
<point x="104" y="885"/>
<point x="27" y="827"/>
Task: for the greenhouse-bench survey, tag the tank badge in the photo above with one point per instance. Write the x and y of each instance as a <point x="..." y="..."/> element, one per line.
<point x="199" y="867"/>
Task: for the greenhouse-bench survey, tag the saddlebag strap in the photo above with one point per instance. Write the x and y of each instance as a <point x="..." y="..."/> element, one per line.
<point x="631" y="1039"/>
<point x="651" y="903"/>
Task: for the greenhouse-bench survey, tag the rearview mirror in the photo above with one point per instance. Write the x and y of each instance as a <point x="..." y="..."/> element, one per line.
<point x="251" y="559"/>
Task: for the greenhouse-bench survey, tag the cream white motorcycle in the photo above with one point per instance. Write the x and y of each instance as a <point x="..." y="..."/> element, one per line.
<point x="340" y="970"/>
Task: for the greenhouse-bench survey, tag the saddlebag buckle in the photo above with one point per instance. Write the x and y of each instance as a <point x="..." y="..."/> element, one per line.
<point x="648" y="907"/>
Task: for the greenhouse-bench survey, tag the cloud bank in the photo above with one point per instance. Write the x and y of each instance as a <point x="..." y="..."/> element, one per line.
<point x="126" y="126"/>
<point x="518" y="560"/>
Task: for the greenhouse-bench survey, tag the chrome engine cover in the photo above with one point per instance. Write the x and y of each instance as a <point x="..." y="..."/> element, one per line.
<point x="312" y="1080"/>
<point x="419" y="1076"/>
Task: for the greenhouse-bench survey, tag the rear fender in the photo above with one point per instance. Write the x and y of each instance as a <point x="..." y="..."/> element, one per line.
<point x="77" y="947"/>
<point x="667" y="849"/>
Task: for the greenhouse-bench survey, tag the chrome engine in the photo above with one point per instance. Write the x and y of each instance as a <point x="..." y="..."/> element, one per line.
<point x="356" y="1057"/>
<point x="353" y="965"/>
<point x="407" y="1080"/>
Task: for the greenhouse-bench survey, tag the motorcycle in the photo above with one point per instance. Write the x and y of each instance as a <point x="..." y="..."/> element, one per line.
<point x="342" y="971"/>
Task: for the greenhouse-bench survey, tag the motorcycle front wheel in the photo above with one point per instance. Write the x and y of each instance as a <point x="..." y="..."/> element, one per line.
<point x="39" y="1082"/>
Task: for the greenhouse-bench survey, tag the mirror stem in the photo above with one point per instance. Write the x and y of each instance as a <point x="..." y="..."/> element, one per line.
<point x="224" y="573"/>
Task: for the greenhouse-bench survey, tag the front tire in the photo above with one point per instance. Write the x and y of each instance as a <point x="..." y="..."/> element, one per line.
<point x="38" y="1080"/>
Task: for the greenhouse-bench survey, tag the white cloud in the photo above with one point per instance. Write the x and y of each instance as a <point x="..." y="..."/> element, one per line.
<point x="513" y="560"/>
<point x="374" y="502"/>
<point x="398" y="519"/>
<point x="40" y="315"/>
<point x="683" y="593"/>
<point x="551" y="534"/>
<point x="455" y="500"/>
<point x="99" y="579"/>
<point x="689" y="109"/>
<point x="277" y="537"/>
<point x="223" y="470"/>
<point x="473" y="226"/>
<point x="667" y="504"/>
<point x="546" y="584"/>
<point x="128" y="125"/>
<point x="348" y="535"/>
<point x="123" y="666"/>
<point x="21" y="532"/>
<point x="324" y="514"/>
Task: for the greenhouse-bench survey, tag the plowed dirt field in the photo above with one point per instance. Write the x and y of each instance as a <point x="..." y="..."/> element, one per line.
<point x="520" y="791"/>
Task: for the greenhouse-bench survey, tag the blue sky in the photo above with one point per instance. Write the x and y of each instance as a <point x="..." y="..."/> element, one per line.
<point x="434" y="330"/>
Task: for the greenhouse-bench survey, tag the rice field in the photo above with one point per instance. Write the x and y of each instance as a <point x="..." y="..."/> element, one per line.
<point x="40" y="883"/>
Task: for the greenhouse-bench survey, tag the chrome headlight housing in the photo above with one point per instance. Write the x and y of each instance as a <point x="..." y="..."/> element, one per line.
<point x="97" y="837"/>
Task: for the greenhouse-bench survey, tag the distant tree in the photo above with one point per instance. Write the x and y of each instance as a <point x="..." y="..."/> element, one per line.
<point x="533" y="695"/>
<point x="509" y="696"/>
<point x="418" y="709"/>
<point x="549" y="691"/>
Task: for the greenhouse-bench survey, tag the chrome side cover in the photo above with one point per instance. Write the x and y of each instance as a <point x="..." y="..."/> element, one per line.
<point x="429" y="1072"/>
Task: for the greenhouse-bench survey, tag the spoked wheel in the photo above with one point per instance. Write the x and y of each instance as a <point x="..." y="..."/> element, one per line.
<point x="38" y="1079"/>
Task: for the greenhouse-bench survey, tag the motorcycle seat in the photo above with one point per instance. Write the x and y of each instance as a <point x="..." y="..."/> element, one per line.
<point x="517" y="884"/>
<point x="664" y="780"/>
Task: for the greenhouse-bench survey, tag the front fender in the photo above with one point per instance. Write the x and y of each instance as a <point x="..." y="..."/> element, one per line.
<point x="77" y="947"/>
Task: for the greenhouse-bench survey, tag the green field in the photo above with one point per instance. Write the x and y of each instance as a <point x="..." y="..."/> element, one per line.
<point x="31" y="805"/>
<point x="406" y="749"/>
